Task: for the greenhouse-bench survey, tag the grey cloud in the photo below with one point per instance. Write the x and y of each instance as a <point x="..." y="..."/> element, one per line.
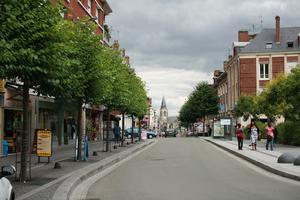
<point x="190" y="34"/>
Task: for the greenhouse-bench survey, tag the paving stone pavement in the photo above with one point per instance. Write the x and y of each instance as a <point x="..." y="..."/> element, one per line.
<point x="263" y="158"/>
<point x="44" y="173"/>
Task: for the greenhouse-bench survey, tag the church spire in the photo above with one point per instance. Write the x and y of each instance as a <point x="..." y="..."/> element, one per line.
<point x="163" y="103"/>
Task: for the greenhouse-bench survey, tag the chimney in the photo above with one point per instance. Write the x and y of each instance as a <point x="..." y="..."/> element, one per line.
<point x="277" y="30"/>
<point x="225" y="65"/>
<point x="217" y="73"/>
<point x="243" y="36"/>
<point x="299" y="40"/>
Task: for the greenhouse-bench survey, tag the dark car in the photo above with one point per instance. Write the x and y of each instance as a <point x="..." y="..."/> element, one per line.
<point x="170" y="133"/>
<point x="128" y="132"/>
<point x="151" y="134"/>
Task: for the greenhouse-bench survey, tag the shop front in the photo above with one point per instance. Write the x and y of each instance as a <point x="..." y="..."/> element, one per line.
<point x="13" y="117"/>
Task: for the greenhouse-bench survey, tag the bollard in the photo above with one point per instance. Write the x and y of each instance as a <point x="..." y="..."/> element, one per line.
<point x="57" y="165"/>
<point x="297" y="161"/>
<point x="286" y="158"/>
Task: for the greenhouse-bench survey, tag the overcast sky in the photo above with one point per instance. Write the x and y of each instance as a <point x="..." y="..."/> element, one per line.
<point x="174" y="44"/>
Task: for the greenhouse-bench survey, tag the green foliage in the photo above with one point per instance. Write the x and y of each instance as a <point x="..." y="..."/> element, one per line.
<point x="272" y="101"/>
<point x="289" y="132"/>
<point x="29" y="42"/>
<point x="246" y="106"/>
<point x="203" y="101"/>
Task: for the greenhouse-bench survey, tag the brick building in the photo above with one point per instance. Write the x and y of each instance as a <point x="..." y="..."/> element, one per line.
<point x="258" y="58"/>
<point x="93" y="9"/>
<point x="45" y="113"/>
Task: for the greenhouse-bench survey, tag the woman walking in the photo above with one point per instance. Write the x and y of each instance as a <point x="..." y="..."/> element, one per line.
<point x="240" y="136"/>
<point x="254" y="132"/>
<point x="270" y="136"/>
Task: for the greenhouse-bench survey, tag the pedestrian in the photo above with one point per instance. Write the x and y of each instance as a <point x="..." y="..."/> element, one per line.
<point x="240" y="136"/>
<point x="270" y="136"/>
<point x="254" y="132"/>
<point x="209" y="130"/>
<point x="117" y="132"/>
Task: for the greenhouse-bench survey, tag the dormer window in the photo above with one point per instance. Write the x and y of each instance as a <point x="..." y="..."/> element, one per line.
<point x="290" y="44"/>
<point x="269" y="45"/>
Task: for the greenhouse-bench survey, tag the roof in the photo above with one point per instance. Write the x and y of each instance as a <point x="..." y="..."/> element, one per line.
<point x="163" y="103"/>
<point x="106" y="7"/>
<point x="258" y="44"/>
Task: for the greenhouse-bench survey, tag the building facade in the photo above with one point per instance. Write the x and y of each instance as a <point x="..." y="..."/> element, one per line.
<point x="257" y="59"/>
<point x="96" y="10"/>
<point x="45" y="112"/>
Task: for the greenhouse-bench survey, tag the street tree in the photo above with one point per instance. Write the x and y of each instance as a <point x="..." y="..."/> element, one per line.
<point x="29" y="51"/>
<point x="246" y="107"/>
<point x="272" y="101"/>
<point x="202" y="102"/>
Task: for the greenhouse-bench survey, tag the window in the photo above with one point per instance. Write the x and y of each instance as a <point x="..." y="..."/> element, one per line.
<point x="264" y="71"/>
<point x="97" y="14"/>
<point x="290" y="44"/>
<point x="269" y="45"/>
<point x="89" y="6"/>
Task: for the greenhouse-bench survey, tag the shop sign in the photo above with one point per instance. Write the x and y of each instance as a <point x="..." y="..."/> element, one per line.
<point x="225" y="122"/>
<point x="44" y="143"/>
<point x="2" y="85"/>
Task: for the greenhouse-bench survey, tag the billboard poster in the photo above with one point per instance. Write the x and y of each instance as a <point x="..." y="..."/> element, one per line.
<point x="218" y="130"/>
<point x="44" y="143"/>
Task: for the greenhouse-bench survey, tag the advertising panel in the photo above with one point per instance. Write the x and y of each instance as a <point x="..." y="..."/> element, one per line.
<point x="218" y="130"/>
<point x="44" y="143"/>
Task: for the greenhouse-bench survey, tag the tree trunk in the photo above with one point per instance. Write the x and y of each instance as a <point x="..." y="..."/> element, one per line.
<point x="140" y="131"/>
<point x="203" y="125"/>
<point x="24" y="143"/>
<point x="79" y="132"/>
<point x="107" y="130"/>
<point x="132" y="124"/>
<point x="123" y="124"/>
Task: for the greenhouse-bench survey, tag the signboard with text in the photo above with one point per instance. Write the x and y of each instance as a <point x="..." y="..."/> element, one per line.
<point x="225" y="122"/>
<point x="44" y="143"/>
<point x="218" y="130"/>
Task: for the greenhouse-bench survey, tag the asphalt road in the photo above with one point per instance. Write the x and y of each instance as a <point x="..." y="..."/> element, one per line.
<point x="190" y="169"/>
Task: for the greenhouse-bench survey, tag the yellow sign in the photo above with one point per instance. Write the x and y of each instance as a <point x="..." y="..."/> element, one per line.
<point x="44" y="143"/>
<point x="2" y="85"/>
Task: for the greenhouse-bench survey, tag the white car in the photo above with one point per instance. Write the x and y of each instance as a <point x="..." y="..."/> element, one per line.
<point x="6" y="189"/>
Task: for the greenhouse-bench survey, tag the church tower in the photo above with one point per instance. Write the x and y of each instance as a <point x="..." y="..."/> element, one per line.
<point x="163" y="117"/>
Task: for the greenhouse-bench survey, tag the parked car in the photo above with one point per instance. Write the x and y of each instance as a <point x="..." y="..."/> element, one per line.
<point x="128" y="133"/>
<point x="6" y="189"/>
<point x="151" y="134"/>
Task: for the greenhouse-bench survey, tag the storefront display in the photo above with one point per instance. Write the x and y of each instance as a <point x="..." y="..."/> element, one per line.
<point x="13" y="129"/>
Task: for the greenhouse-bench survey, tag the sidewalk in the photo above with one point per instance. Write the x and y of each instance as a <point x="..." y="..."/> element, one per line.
<point x="45" y="179"/>
<point x="262" y="157"/>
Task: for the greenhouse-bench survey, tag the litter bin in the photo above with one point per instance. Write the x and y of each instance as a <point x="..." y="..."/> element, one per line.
<point x="5" y="147"/>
